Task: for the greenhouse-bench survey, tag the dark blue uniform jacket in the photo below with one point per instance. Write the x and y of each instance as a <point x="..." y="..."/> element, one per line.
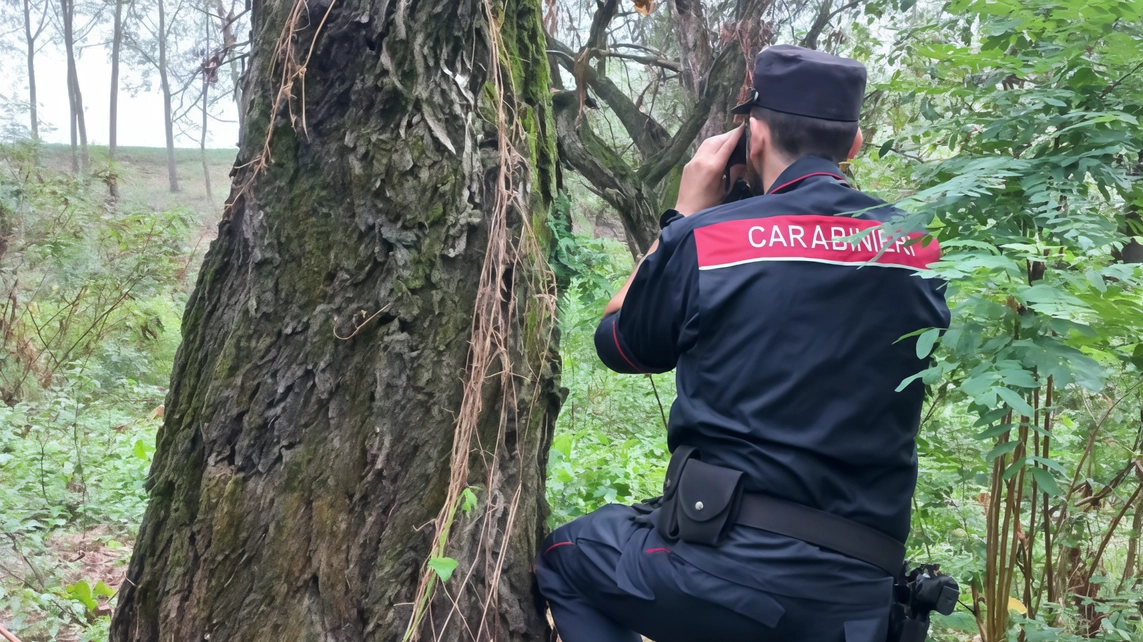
<point x="783" y="315"/>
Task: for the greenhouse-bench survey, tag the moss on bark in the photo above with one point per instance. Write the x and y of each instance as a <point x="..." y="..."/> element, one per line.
<point x="296" y="470"/>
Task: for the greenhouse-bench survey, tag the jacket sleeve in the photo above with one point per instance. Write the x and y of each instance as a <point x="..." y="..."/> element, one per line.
<point x="659" y="319"/>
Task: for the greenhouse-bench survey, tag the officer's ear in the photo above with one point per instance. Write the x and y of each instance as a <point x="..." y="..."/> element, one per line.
<point x="759" y="141"/>
<point x="858" y="141"/>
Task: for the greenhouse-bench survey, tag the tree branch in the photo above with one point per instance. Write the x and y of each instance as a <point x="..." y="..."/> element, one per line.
<point x="609" y="175"/>
<point x="810" y="41"/>
<point x="724" y="76"/>
<point x="646" y="60"/>
<point x="648" y="135"/>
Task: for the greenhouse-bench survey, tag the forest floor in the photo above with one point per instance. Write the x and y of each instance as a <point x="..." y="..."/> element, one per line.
<point x="47" y="575"/>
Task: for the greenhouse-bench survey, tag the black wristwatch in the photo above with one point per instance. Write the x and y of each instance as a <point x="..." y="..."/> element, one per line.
<point x="668" y="217"/>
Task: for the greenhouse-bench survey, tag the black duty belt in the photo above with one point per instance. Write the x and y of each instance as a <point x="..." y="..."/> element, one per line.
<point x="822" y="529"/>
<point x="701" y="502"/>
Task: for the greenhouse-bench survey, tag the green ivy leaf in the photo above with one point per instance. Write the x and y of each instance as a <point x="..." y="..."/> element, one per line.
<point x="468" y="500"/>
<point x="443" y="567"/>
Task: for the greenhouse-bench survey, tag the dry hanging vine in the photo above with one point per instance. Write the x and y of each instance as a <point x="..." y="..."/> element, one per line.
<point x="490" y="342"/>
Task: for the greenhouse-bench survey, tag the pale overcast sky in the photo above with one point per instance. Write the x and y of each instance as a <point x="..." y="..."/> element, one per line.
<point x="140" y="115"/>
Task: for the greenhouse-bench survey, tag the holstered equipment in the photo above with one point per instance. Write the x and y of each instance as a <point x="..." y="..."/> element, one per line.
<point x="916" y="594"/>
<point x="702" y="501"/>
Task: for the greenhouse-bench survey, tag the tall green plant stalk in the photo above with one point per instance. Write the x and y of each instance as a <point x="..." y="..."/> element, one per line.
<point x="1020" y="125"/>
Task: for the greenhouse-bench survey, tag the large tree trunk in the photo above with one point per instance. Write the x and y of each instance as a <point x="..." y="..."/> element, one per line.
<point x="371" y="335"/>
<point x="165" y="85"/>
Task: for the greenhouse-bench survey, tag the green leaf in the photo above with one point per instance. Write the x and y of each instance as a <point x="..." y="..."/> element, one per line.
<point x="886" y="148"/>
<point x="1001" y="449"/>
<point x="563" y="444"/>
<point x="926" y="341"/>
<point x="443" y="567"/>
<point x="908" y="380"/>
<point x="467" y="500"/>
<point x="996" y="431"/>
<point x="1014" y="401"/>
<point x="1045" y="481"/>
<point x="1014" y="468"/>
<point x="1096" y="280"/>
<point x="81" y="592"/>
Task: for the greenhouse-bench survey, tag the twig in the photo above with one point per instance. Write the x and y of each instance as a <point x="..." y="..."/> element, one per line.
<point x="646" y="60"/>
<point x="8" y="635"/>
<point x="657" y="400"/>
<point x="1115" y="84"/>
<point x="357" y="326"/>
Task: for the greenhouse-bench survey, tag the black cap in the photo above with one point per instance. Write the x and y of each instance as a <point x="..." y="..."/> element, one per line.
<point x="805" y="82"/>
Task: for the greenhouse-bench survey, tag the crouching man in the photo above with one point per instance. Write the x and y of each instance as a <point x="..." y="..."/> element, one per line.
<point x="786" y="504"/>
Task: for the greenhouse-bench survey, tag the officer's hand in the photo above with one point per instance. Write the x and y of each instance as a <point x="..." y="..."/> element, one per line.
<point x="703" y="185"/>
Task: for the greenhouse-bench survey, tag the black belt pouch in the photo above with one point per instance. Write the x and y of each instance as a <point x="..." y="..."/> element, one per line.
<point x="700" y="500"/>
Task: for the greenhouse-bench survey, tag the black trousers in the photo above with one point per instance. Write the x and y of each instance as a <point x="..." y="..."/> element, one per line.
<point x="604" y="591"/>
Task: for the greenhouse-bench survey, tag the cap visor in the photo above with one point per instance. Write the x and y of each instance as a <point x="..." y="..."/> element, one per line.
<point x="744" y="108"/>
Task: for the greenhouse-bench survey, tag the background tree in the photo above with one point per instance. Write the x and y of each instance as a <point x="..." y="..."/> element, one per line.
<point x="707" y="50"/>
<point x="159" y="31"/>
<point x="216" y="48"/>
<point x="316" y="421"/>
<point x="116" y="47"/>
<point x="35" y="19"/>
<point x="77" y="122"/>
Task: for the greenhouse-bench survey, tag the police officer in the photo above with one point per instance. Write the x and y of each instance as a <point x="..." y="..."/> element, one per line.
<point x="793" y="454"/>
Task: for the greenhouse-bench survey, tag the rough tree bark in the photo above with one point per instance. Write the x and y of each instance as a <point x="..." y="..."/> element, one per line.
<point x="311" y="458"/>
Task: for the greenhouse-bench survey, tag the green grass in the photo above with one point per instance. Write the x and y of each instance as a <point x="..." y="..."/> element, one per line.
<point x="142" y="174"/>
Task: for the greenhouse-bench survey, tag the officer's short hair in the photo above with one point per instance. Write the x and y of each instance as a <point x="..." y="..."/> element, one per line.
<point x="796" y="136"/>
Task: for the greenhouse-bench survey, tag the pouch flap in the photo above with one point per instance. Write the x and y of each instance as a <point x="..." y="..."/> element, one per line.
<point x="707" y="491"/>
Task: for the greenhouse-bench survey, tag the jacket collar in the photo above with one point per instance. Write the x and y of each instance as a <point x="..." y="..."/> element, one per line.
<point x="802" y="169"/>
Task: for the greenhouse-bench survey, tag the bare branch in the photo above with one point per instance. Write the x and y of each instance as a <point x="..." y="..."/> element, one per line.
<point x="607" y="173"/>
<point x="724" y="76"/>
<point x="649" y="136"/>
<point x="810" y="41"/>
<point x="646" y="60"/>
